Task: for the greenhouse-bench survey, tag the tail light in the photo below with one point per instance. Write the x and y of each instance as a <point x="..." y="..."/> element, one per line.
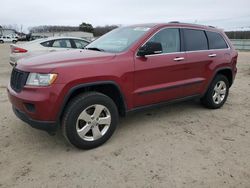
<point x="15" y="49"/>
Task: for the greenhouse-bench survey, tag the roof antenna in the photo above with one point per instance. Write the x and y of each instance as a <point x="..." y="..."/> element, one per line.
<point x="174" y="22"/>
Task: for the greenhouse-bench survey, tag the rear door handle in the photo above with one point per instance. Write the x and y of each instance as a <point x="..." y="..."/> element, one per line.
<point x="179" y="59"/>
<point x="212" y="55"/>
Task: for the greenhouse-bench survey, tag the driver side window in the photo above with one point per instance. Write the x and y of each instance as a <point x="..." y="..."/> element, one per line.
<point x="169" y="39"/>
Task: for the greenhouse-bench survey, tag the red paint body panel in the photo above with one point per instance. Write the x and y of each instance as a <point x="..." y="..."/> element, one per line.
<point x="142" y="80"/>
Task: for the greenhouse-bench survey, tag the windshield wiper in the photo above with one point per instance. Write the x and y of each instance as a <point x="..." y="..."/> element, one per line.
<point x="95" y="48"/>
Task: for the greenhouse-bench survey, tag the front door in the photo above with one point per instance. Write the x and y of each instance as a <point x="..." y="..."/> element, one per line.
<point x="159" y="77"/>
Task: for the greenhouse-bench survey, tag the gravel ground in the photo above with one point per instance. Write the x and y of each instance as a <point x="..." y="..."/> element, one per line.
<point x="180" y="145"/>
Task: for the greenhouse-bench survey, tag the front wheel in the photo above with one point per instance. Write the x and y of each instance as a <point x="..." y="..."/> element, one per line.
<point x="90" y="120"/>
<point x="217" y="92"/>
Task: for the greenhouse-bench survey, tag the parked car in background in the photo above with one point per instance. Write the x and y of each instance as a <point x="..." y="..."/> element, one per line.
<point x="45" y="45"/>
<point x="5" y="39"/>
<point x="130" y="68"/>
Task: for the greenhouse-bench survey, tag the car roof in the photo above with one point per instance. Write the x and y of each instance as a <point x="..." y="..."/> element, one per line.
<point x="64" y="37"/>
<point x="56" y="38"/>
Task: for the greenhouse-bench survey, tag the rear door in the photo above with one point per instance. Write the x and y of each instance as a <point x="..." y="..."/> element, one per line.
<point x="197" y="62"/>
<point x="219" y="49"/>
<point x="8" y="39"/>
<point x="80" y="44"/>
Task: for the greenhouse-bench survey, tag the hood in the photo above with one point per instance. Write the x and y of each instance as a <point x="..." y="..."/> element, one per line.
<point x="48" y="62"/>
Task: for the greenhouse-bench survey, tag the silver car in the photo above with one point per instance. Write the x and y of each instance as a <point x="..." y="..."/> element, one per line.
<point x="41" y="46"/>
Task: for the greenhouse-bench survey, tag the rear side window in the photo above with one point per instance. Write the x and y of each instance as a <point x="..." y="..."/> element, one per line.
<point x="61" y="43"/>
<point x="216" y="41"/>
<point x="195" y="40"/>
<point x="169" y="39"/>
<point x="80" y="44"/>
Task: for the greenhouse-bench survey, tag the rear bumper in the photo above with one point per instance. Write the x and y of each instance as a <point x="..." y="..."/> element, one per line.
<point x="13" y="59"/>
<point x="12" y="63"/>
<point x="47" y="126"/>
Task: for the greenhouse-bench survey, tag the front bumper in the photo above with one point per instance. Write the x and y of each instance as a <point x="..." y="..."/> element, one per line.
<point x="47" y="126"/>
<point x="38" y="107"/>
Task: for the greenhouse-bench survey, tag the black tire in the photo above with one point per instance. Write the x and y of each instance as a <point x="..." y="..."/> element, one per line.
<point x="14" y="41"/>
<point x="75" y="107"/>
<point x="208" y="100"/>
<point x="1" y="41"/>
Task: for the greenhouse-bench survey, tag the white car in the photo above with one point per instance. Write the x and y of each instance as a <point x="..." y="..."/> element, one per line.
<point x="4" y="39"/>
<point x="41" y="46"/>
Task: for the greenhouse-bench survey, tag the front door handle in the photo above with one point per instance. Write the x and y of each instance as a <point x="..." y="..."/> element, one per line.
<point x="179" y="59"/>
<point x="212" y="55"/>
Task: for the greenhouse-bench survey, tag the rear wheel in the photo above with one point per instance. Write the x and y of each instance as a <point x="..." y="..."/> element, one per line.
<point x="217" y="92"/>
<point x="90" y="120"/>
<point x="1" y="41"/>
<point x="14" y="41"/>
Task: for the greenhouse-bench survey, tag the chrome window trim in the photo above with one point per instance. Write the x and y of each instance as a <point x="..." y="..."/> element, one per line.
<point x="181" y="27"/>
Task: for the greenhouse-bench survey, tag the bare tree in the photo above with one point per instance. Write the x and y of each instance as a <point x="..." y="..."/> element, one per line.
<point x="11" y="26"/>
<point x="101" y="30"/>
<point x="98" y="31"/>
<point x="52" y="28"/>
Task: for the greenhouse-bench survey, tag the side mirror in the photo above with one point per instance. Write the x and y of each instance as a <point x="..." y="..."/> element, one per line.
<point x="150" y="48"/>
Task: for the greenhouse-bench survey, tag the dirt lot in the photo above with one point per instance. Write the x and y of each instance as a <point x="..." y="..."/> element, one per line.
<point x="181" y="145"/>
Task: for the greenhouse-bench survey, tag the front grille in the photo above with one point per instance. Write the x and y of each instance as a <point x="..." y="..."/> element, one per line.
<point x="18" y="79"/>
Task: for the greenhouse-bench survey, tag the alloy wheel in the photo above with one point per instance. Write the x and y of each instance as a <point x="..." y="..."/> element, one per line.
<point x="219" y="92"/>
<point x="93" y="122"/>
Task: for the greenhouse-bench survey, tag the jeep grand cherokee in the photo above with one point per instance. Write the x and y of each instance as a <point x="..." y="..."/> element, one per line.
<point x="84" y="92"/>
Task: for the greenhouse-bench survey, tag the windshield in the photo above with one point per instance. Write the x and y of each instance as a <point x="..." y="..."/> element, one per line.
<point x="118" y="40"/>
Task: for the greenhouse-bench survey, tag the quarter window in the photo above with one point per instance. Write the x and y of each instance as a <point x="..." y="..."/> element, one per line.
<point x="169" y="39"/>
<point x="46" y="44"/>
<point x="195" y="40"/>
<point x="216" y="41"/>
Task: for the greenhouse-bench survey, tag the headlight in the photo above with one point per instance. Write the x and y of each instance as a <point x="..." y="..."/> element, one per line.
<point x="36" y="79"/>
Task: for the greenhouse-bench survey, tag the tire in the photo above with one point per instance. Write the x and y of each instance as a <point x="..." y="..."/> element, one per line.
<point x="1" y="41"/>
<point x="81" y="120"/>
<point x="14" y="41"/>
<point x="216" y="97"/>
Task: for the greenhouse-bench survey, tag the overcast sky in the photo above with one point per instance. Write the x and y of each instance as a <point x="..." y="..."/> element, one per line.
<point x="222" y="13"/>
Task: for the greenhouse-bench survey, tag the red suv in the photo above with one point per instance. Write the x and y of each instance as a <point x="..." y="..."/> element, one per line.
<point x="85" y="91"/>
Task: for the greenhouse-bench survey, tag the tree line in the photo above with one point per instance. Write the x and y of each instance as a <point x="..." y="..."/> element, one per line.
<point x="238" y="34"/>
<point x="86" y="27"/>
